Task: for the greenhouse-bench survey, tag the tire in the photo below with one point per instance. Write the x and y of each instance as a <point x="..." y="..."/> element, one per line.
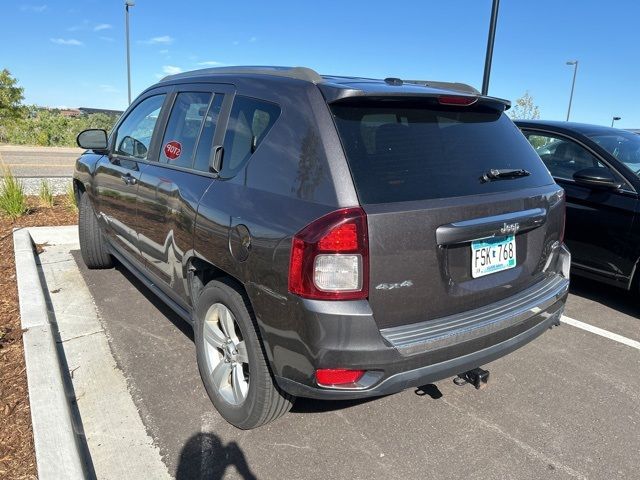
<point x="92" y="243"/>
<point x="239" y="385"/>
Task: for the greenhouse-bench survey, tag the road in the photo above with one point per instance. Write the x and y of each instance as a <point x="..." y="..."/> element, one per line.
<point x="564" y="406"/>
<point x="37" y="162"/>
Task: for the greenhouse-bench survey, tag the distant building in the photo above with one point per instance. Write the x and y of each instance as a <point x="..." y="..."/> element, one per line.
<point x="70" y="112"/>
<point x="89" y="111"/>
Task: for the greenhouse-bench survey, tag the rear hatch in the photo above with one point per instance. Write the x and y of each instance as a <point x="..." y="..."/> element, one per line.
<point x="461" y="211"/>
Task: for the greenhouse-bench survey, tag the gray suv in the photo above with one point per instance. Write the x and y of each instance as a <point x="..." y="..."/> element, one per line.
<point x="327" y="237"/>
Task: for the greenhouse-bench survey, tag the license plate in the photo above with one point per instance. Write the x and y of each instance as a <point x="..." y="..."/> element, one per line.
<point x="492" y="255"/>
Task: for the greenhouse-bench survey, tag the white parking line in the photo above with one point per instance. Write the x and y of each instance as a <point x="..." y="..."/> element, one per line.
<point x="601" y="332"/>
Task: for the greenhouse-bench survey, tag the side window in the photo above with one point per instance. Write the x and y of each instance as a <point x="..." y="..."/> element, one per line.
<point x="205" y="143"/>
<point x="563" y="157"/>
<point x="185" y="122"/>
<point x="249" y="123"/>
<point x="134" y="134"/>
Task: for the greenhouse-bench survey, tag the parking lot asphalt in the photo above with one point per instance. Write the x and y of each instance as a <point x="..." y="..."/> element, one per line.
<point x="564" y="406"/>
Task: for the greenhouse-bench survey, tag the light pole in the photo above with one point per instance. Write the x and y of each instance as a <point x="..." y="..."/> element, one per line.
<point x="614" y="119"/>
<point x="573" y="84"/>
<point x="490" y="40"/>
<point x="127" y="4"/>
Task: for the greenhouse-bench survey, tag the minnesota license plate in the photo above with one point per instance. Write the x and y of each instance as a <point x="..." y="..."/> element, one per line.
<point x="492" y="255"/>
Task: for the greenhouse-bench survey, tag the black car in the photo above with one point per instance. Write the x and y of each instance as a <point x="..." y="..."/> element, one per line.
<point x="599" y="169"/>
<point x="327" y="237"/>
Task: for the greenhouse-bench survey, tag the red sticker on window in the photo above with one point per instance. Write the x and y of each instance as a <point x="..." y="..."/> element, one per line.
<point x="172" y="150"/>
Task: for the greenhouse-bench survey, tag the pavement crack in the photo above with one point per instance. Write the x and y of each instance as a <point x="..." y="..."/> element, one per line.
<point x="80" y="336"/>
<point x="305" y="447"/>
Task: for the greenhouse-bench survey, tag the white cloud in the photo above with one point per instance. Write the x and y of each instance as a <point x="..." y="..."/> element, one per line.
<point x="253" y="39"/>
<point x="33" y="8"/>
<point x="102" y="26"/>
<point x="210" y="63"/>
<point x="106" y="39"/>
<point x="171" y="70"/>
<point x="163" y="40"/>
<point x="66" y="41"/>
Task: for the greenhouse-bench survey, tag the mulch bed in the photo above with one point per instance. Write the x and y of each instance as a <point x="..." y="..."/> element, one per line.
<point x="17" y="458"/>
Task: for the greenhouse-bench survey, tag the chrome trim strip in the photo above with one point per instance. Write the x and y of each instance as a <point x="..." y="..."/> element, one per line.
<point x="484" y="227"/>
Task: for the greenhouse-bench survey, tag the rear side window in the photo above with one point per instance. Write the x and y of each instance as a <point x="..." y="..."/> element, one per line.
<point x="405" y="152"/>
<point x="205" y="143"/>
<point x="249" y="123"/>
<point x="187" y="116"/>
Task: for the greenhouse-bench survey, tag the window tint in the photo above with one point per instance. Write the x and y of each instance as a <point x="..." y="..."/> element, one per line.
<point x="249" y="123"/>
<point x="562" y="156"/>
<point x="134" y="134"/>
<point x="405" y="152"/>
<point x="183" y="128"/>
<point x="206" y="137"/>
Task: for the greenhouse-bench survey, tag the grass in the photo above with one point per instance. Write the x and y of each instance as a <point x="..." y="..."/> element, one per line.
<point x="72" y="200"/>
<point x="46" y="194"/>
<point x="13" y="201"/>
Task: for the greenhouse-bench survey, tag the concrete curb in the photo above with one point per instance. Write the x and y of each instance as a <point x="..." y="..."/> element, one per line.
<point x="58" y="453"/>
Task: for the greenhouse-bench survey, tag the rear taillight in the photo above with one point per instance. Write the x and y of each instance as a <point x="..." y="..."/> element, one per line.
<point x="330" y="257"/>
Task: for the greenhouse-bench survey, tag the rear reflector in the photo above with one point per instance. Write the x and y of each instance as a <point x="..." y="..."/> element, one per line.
<point x="456" y="100"/>
<point x="337" y="376"/>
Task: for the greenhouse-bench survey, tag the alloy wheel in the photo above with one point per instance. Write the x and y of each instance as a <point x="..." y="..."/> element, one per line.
<point x="226" y="354"/>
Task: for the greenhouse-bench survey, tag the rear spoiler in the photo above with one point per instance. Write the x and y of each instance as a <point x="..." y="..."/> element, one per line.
<point x="412" y="91"/>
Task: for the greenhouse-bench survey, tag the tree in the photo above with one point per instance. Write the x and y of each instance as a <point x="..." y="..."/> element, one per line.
<point x="10" y="98"/>
<point x="524" y="109"/>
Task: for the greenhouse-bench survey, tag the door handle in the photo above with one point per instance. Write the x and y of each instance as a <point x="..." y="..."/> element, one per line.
<point x="128" y="179"/>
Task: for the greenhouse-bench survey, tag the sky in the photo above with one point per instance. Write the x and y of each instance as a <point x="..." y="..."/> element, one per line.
<point x="72" y="53"/>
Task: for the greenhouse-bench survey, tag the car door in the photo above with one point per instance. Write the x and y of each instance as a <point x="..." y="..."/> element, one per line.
<point x="117" y="174"/>
<point x="598" y="220"/>
<point x="170" y="186"/>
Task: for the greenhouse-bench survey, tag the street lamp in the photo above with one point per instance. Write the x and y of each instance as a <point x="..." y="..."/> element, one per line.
<point x="573" y="84"/>
<point x="615" y="119"/>
<point x="127" y="4"/>
<point x="490" y="40"/>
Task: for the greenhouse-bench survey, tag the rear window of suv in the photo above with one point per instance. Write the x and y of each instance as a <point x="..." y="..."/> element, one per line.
<point x="405" y="152"/>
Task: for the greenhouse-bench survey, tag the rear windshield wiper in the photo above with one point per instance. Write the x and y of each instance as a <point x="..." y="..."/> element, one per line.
<point x="504" y="173"/>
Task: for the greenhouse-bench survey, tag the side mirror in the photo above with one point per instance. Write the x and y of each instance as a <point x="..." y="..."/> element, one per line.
<point x="93" y="139"/>
<point x="596" y="177"/>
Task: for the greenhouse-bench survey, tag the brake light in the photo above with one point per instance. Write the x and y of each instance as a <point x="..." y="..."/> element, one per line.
<point x="459" y="100"/>
<point x="330" y="257"/>
<point x="329" y="377"/>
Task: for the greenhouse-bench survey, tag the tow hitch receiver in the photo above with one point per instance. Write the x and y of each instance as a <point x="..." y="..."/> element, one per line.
<point x="476" y="377"/>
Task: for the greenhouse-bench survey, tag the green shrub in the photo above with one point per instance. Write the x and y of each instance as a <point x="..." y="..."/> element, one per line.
<point x="45" y="193"/>
<point x="13" y="201"/>
<point x="72" y="200"/>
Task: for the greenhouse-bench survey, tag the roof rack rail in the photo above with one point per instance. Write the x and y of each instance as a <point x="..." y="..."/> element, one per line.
<point x="299" y="73"/>
<point x="462" y="87"/>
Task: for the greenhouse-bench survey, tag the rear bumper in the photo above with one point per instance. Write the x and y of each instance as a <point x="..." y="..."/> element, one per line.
<point x="346" y="336"/>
